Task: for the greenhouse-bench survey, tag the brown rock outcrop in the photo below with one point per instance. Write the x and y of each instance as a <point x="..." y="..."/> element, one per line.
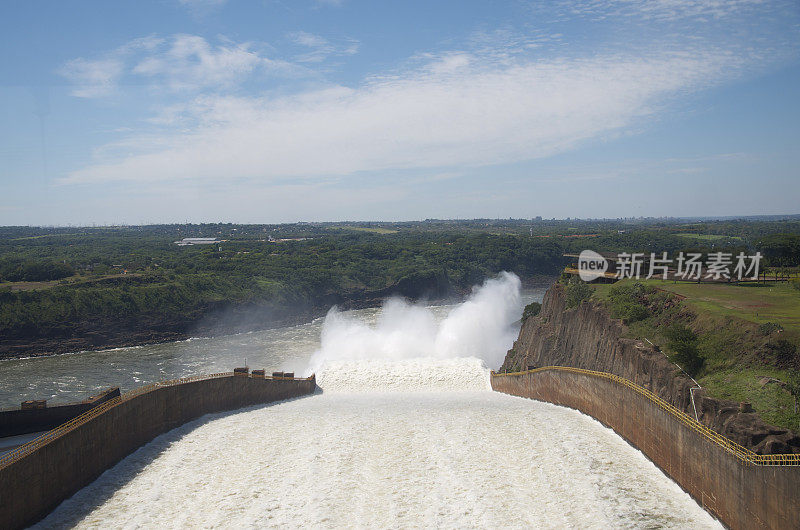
<point x="587" y="337"/>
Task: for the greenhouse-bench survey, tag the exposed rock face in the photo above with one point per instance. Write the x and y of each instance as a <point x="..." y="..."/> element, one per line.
<point x="587" y="337"/>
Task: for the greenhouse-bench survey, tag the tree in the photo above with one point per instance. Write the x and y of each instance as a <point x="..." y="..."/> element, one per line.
<point x="531" y="310"/>
<point x="780" y="250"/>
<point x="683" y="342"/>
<point x="577" y="292"/>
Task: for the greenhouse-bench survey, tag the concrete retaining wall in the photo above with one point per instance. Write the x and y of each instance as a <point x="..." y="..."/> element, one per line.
<point x="740" y="495"/>
<point x="34" y="485"/>
<point x="14" y="422"/>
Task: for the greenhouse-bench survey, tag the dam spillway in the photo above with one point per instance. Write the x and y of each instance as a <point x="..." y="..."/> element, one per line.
<point x="418" y="442"/>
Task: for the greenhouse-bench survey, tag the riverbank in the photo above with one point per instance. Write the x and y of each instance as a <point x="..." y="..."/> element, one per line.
<point x="221" y="319"/>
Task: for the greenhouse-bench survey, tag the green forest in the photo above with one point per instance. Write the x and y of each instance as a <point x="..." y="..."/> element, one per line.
<point x="58" y="283"/>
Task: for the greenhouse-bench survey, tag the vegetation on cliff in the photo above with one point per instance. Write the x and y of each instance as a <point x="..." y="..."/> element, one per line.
<point x="739" y="342"/>
<point x="577" y="292"/>
<point x="531" y="310"/>
<point x="589" y="337"/>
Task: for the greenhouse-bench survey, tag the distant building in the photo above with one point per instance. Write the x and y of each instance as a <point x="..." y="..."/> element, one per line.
<point x="285" y="239"/>
<point x="197" y="241"/>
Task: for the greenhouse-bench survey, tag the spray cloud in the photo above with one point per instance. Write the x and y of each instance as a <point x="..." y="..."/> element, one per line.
<point x="483" y="326"/>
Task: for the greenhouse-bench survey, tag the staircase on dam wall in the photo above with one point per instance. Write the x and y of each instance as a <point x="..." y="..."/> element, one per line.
<point x="37" y="476"/>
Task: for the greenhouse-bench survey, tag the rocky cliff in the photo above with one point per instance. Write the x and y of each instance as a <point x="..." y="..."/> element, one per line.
<point x="587" y="337"/>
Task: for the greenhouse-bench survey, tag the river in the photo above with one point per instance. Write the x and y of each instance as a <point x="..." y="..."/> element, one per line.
<point x="73" y="377"/>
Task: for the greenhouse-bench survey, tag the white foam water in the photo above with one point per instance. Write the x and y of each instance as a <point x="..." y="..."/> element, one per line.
<point x="409" y="375"/>
<point x="445" y="452"/>
<point x="484" y="326"/>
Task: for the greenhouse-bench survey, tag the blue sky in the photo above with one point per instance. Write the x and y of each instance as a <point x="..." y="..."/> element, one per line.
<point x="312" y="110"/>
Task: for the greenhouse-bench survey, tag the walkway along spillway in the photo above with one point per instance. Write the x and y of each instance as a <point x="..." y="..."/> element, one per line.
<point x="37" y="476"/>
<point x="741" y="488"/>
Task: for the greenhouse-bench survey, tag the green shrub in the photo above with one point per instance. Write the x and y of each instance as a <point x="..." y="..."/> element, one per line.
<point x="34" y="271"/>
<point x="784" y="353"/>
<point x="634" y="313"/>
<point x="577" y="292"/>
<point x="531" y="310"/>
<point x="683" y="342"/>
<point x="769" y="327"/>
<point x="793" y="386"/>
<point x="629" y="302"/>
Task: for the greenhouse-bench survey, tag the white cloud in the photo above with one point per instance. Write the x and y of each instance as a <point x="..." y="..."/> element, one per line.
<point x="178" y="63"/>
<point x="457" y="111"/>
<point x="202" y="6"/>
<point x="93" y="78"/>
<point x="191" y="62"/>
<point x="663" y="9"/>
<point x="450" y="63"/>
<point x="99" y="77"/>
<point x="321" y="48"/>
<point x="508" y="97"/>
<point x="202" y="2"/>
<point x="309" y="39"/>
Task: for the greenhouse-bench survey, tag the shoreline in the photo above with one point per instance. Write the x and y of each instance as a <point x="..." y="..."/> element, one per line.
<point x="51" y="347"/>
<point x="149" y="337"/>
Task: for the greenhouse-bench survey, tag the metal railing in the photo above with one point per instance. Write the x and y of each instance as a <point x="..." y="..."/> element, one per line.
<point x="742" y="453"/>
<point x="171" y="382"/>
<point x="24" y="450"/>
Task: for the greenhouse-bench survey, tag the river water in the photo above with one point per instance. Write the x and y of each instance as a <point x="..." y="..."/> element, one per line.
<point x="404" y="441"/>
<point x="73" y="377"/>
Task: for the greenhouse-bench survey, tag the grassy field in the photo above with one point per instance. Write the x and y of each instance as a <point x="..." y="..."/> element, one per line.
<point x="757" y="303"/>
<point x="72" y="280"/>
<point x="28" y="286"/>
<point x="741" y="359"/>
<point x="756" y="386"/>
<point x="374" y="230"/>
<point x="706" y="237"/>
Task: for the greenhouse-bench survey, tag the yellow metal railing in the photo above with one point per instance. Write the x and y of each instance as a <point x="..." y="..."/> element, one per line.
<point x="744" y="454"/>
<point x="171" y="382"/>
<point x="49" y="436"/>
<point x="61" y="430"/>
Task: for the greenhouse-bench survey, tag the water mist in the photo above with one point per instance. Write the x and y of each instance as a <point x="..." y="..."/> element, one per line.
<point x="484" y="326"/>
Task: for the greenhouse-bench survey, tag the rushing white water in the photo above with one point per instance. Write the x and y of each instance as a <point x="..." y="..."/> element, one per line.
<point x="63" y="378"/>
<point x="423" y="374"/>
<point x="445" y="452"/>
<point x="484" y="326"/>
